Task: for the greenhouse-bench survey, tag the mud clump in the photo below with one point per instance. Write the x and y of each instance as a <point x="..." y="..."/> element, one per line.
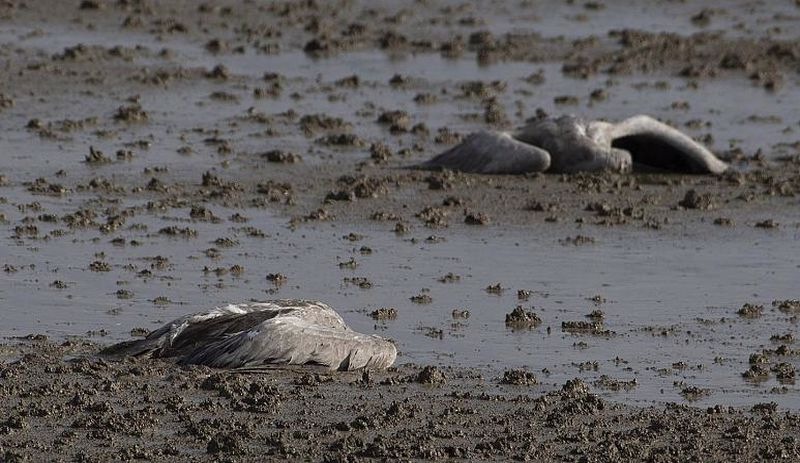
<point x="361" y="282"/>
<point x="281" y="157"/>
<point x="421" y="299"/>
<point x="518" y="378"/>
<point x="495" y="288"/>
<point x="96" y="157"/>
<point x="6" y="101"/>
<point x="787" y="305"/>
<point x="494" y="114"/>
<point x="384" y="313"/>
<point x="692" y="393"/>
<point x="520" y="319"/>
<point x="43" y="186"/>
<point x="314" y="123"/>
<point x="596" y="315"/>
<point x="751" y="311"/>
<point x="768" y="224"/>
<point x="577" y="240"/>
<point x="277" y="278"/>
<point x="477" y="218"/>
<point x="757" y="372"/>
<point x="203" y="214"/>
<point x="398" y="121"/>
<point x="343" y="139"/>
<point x="219" y="72"/>
<point x="225" y="442"/>
<point x="784" y="372"/>
<point x="431" y="375"/>
<point x="379" y="152"/>
<point x="132" y="113"/>
<point x="695" y="200"/>
<point x="178" y="232"/>
<point x="434" y="217"/>
<point x="451" y="277"/>
<point x="592" y="327"/>
<point x="100" y="266"/>
<point x="439" y="182"/>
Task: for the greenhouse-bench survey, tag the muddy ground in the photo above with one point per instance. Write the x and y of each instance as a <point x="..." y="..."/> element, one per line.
<point x="162" y="157"/>
<point x="89" y="410"/>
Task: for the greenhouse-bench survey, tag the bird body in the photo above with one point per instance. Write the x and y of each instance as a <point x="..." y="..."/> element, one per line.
<point x="293" y="332"/>
<point x="570" y="144"/>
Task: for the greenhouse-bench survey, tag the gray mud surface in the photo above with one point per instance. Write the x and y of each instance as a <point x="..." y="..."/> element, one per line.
<point x="159" y="158"/>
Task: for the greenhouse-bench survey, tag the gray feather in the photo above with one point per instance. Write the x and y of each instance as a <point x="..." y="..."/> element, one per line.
<point x="491" y="153"/>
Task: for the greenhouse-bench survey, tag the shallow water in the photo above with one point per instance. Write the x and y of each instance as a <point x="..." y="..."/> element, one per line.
<point x="734" y="111"/>
<point x="684" y="284"/>
<point x="687" y="284"/>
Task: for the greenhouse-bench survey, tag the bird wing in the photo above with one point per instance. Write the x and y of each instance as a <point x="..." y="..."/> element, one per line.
<point x="294" y="339"/>
<point x="185" y="334"/>
<point x="488" y="152"/>
<point x="657" y="145"/>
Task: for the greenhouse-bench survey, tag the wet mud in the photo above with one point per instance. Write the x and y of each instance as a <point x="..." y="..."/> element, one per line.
<point x="162" y="158"/>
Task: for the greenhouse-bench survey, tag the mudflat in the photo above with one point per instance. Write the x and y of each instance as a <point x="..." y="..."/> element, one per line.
<point x="160" y="158"/>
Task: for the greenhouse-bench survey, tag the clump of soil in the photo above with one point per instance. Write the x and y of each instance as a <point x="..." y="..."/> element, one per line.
<point x="431" y="375"/>
<point x="577" y="240"/>
<point x="751" y="311"/>
<point x="495" y="288"/>
<point x="518" y="378"/>
<point x="449" y="277"/>
<point x="695" y="200"/>
<point x="519" y="318"/>
<point x="421" y="298"/>
<point x="596" y="315"/>
<point x="96" y="156"/>
<point x="132" y="113"/>
<point x="476" y="218"/>
<point x="592" y="327"/>
<point x="768" y="223"/>
<point x="788" y="305"/>
<point x="281" y="157"/>
<point x="384" y="313"/>
<point x="277" y="278"/>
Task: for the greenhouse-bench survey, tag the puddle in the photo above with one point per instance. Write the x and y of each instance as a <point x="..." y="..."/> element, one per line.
<point x="669" y="299"/>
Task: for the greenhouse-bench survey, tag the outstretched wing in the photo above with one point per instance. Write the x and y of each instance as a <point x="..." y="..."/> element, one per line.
<point x="487" y="152"/>
<point x="293" y="340"/>
<point x="656" y="145"/>
<point x="182" y="334"/>
<point x="185" y="334"/>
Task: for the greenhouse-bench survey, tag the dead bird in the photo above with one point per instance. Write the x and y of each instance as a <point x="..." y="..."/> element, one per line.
<point x="290" y="332"/>
<point x="569" y="144"/>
